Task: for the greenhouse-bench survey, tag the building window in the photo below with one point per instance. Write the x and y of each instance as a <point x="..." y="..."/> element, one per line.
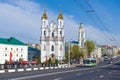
<point x="44" y="23"/>
<point x="60" y="33"/>
<point x="82" y="35"/>
<point x="44" y="47"/>
<point x="60" y="47"/>
<point x="45" y="33"/>
<point x="6" y="49"/>
<point x="52" y="34"/>
<point x="21" y="49"/>
<point x="16" y="49"/>
<point x="52" y="48"/>
<point x="5" y="54"/>
<point x="17" y="55"/>
<point x="60" y="23"/>
<point x="21" y="55"/>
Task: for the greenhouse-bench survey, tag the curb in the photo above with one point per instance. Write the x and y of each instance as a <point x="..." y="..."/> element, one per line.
<point x="31" y="69"/>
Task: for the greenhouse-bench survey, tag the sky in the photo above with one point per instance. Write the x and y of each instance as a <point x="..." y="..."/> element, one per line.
<point x="22" y="19"/>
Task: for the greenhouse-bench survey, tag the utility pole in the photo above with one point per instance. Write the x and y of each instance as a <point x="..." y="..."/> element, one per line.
<point x="69" y="55"/>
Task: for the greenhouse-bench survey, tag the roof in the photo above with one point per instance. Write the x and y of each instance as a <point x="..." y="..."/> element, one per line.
<point x="60" y="16"/>
<point x="11" y="41"/>
<point x="44" y="15"/>
<point x="74" y="42"/>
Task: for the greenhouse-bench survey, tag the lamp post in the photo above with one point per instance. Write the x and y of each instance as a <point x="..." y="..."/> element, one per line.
<point x="69" y="56"/>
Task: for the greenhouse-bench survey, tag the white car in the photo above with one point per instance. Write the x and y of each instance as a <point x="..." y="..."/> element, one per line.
<point x="106" y="58"/>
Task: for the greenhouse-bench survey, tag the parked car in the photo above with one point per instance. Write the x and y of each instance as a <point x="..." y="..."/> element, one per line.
<point x="106" y="58"/>
<point x="23" y="62"/>
<point x="33" y="62"/>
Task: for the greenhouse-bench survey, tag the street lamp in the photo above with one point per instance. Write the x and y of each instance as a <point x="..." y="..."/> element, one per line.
<point x="69" y="56"/>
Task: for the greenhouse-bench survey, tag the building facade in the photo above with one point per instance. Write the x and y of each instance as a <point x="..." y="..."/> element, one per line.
<point x="52" y="38"/>
<point x="12" y="50"/>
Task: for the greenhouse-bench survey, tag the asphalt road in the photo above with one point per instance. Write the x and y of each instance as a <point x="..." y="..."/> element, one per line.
<point x="108" y="72"/>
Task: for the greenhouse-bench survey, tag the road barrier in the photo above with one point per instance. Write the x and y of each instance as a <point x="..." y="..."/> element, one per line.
<point x="4" y="68"/>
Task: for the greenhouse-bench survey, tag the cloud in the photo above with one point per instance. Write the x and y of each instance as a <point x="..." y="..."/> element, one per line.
<point x="22" y="19"/>
<point x="101" y="37"/>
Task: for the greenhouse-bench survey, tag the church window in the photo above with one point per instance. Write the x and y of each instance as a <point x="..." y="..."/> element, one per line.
<point x="52" y="48"/>
<point x="60" y="47"/>
<point x="60" y="33"/>
<point x="60" y="23"/>
<point x="44" y="23"/>
<point x="82" y="35"/>
<point x="44" y="47"/>
<point x="52" y="34"/>
<point x="44" y="33"/>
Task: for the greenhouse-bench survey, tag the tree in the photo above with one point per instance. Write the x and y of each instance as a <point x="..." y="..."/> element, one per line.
<point x="90" y="46"/>
<point x="77" y="52"/>
<point x="118" y="52"/>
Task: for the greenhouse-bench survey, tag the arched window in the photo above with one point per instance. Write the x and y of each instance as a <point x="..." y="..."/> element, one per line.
<point x="81" y="35"/>
<point x="60" y="33"/>
<point x="45" y="33"/>
<point x="60" y="23"/>
<point x="44" y="47"/>
<point x="60" y="47"/>
<point x="52" y="34"/>
<point x="44" y="23"/>
<point x="52" y="48"/>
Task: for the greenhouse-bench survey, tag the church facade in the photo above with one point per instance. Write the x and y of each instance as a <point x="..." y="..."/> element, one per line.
<point x="52" y="38"/>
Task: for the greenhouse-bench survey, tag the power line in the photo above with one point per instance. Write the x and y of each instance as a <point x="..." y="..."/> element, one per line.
<point x="91" y="10"/>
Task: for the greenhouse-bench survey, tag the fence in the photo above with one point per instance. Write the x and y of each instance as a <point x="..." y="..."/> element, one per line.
<point x="28" y="67"/>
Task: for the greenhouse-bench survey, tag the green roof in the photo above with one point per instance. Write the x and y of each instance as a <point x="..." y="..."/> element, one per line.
<point x="11" y="41"/>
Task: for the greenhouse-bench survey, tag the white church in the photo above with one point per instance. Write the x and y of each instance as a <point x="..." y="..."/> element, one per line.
<point x="52" y="38"/>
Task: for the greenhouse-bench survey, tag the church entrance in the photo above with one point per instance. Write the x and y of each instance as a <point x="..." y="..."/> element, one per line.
<point x="52" y="58"/>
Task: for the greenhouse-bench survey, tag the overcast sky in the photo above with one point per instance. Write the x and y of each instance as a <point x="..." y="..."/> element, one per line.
<point x="22" y="19"/>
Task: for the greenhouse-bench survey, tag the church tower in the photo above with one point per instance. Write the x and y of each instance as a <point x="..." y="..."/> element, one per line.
<point x="81" y="37"/>
<point x="60" y="32"/>
<point x="44" y="34"/>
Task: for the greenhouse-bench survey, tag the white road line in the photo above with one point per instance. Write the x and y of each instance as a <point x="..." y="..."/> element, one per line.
<point x="58" y="79"/>
<point x="99" y="70"/>
<point x="110" y="72"/>
<point x="78" y="74"/>
<point x="91" y="71"/>
<point x="101" y="76"/>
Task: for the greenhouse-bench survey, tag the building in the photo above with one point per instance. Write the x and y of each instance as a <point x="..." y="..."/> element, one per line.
<point x="12" y="50"/>
<point x="33" y="54"/>
<point x="81" y="35"/>
<point x="52" y="38"/>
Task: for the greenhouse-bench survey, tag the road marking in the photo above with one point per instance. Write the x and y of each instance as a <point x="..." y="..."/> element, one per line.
<point x="58" y="79"/>
<point x="99" y="70"/>
<point x="110" y="72"/>
<point x="78" y="74"/>
<point x="91" y="71"/>
<point x="101" y="76"/>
